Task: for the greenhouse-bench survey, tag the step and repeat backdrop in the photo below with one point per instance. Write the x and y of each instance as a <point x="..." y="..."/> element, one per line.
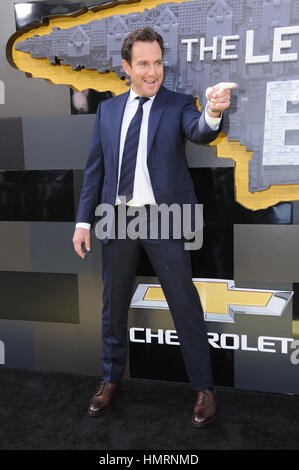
<point x="58" y="61"/>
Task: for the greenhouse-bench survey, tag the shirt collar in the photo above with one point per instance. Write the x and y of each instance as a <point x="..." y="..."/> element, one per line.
<point x="133" y="95"/>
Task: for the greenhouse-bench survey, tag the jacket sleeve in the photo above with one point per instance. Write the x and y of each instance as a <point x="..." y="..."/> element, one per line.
<point x="93" y="176"/>
<point x="194" y="125"/>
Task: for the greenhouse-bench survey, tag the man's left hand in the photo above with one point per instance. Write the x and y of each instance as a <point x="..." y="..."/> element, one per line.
<point x="218" y="97"/>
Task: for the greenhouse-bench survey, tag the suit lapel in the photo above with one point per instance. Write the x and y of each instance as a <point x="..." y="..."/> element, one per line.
<point x="117" y="117"/>
<point x="156" y="112"/>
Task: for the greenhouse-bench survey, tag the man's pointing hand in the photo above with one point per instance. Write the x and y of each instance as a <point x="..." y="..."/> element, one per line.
<point x="218" y="96"/>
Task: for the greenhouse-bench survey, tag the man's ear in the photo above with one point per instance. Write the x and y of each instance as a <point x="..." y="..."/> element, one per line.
<point x="126" y="67"/>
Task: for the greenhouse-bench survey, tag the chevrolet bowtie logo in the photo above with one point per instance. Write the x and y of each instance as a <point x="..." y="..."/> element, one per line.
<point x="220" y="299"/>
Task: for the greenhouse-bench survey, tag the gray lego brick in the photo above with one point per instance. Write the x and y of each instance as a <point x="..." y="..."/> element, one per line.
<point x="51" y="249"/>
<point x="11" y="138"/>
<point x="68" y="348"/>
<point x="42" y="297"/>
<point x="266" y="253"/>
<point x="15" y="247"/>
<point x="57" y="142"/>
<point x="90" y="289"/>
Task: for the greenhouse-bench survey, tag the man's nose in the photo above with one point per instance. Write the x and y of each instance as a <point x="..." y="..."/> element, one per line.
<point x="151" y="69"/>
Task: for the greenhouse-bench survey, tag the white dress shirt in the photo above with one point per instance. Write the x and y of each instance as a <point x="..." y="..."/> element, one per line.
<point x="142" y="191"/>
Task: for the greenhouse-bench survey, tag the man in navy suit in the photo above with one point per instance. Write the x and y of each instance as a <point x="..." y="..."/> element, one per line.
<point x="137" y="156"/>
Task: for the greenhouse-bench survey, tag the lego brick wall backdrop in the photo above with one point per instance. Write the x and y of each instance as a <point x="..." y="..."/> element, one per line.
<point x="50" y="310"/>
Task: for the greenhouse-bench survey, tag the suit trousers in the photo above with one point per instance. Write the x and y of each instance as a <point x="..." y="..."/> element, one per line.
<point x="172" y="264"/>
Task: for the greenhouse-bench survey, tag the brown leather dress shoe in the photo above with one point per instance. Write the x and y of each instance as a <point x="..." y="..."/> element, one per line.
<point x="205" y="408"/>
<point x="101" y="401"/>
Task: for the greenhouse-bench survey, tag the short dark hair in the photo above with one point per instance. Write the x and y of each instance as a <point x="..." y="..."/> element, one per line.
<point x="145" y="34"/>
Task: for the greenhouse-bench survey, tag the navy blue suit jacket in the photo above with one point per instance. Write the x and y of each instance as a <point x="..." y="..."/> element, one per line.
<point x="173" y="119"/>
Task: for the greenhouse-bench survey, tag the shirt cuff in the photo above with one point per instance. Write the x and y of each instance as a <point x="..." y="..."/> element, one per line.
<point x="213" y="122"/>
<point x="83" y="225"/>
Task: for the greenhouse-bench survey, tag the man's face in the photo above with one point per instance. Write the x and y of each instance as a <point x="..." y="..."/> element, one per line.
<point x="146" y="69"/>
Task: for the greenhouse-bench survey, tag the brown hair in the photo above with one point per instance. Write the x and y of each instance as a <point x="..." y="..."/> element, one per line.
<point x="145" y="34"/>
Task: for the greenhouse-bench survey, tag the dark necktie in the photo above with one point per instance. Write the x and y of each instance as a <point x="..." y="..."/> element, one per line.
<point x="129" y="158"/>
